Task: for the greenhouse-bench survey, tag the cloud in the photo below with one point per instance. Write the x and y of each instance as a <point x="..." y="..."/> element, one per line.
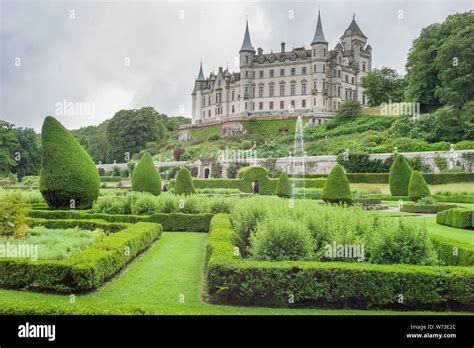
<point x="116" y="55"/>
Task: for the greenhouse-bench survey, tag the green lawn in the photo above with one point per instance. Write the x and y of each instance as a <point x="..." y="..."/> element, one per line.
<point x="155" y="284"/>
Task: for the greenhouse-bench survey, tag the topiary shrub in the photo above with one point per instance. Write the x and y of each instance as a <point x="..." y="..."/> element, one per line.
<point x="417" y="187"/>
<point x="184" y="183"/>
<point x="281" y="240"/>
<point x="145" y="176"/>
<point x="68" y="177"/>
<point x="337" y="188"/>
<point x="284" y="186"/>
<point x="399" y="177"/>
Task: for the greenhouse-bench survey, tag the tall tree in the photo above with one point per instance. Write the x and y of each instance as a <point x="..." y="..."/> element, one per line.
<point x="440" y="64"/>
<point x="8" y="146"/>
<point x="28" y="155"/>
<point x="130" y="130"/>
<point x="383" y="85"/>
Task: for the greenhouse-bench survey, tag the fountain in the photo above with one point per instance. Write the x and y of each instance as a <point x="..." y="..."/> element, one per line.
<point x="298" y="156"/>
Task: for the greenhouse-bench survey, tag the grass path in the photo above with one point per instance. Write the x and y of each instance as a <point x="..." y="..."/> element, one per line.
<point x="155" y="284"/>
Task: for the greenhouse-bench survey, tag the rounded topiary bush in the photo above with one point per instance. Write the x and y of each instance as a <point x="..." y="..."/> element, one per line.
<point x="337" y="188"/>
<point x="281" y="239"/>
<point x="399" y="177"/>
<point x="283" y="188"/>
<point x="145" y="176"/>
<point x="417" y="187"/>
<point x="184" y="183"/>
<point x="68" y="176"/>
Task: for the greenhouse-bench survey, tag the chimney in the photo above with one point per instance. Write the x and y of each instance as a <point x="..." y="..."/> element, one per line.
<point x="260" y="51"/>
<point x="220" y="69"/>
<point x="282" y="47"/>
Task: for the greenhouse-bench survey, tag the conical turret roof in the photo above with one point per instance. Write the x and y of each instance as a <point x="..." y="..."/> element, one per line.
<point x="247" y="44"/>
<point x="319" y="35"/>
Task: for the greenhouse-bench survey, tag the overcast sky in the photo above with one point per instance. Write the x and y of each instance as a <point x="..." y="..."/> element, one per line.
<point x="108" y="55"/>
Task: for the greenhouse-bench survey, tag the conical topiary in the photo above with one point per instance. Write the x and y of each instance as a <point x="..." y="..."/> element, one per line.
<point x="68" y="177"/>
<point x="399" y="177"/>
<point x="337" y="188"/>
<point x="145" y="176"/>
<point x="283" y="188"/>
<point x="184" y="183"/>
<point x="417" y="188"/>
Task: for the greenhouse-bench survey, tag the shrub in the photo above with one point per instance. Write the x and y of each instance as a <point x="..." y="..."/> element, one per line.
<point x="427" y="201"/>
<point x="407" y="244"/>
<point x="145" y="176"/>
<point x="280" y="239"/>
<point x="426" y="208"/>
<point x="68" y="174"/>
<point x="145" y="205"/>
<point x="214" y="137"/>
<point x="417" y="187"/>
<point x="337" y="188"/>
<point x="110" y="205"/>
<point x="124" y="173"/>
<point x="399" y="176"/>
<point x="184" y="183"/>
<point x="221" y="205"/>
<point x="178" y="152"/>
<point x="247" y="144"/>
<point x="168" y="203"/>
<point x="283" y="187"/>
<point x="457" y="217"/>
<point x="350" y="108"/>
<point x="193" y="205"/>
<point x="13" y="216"/>
<point x="441" y="163"/>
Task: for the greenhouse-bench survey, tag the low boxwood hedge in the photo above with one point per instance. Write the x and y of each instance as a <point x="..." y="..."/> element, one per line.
<point x="110" y="178"/>
<point x="455" y="199"/>
<point x="395" y="198"/>
<point x="231" y="279"/>
<point x="85" y="270"/>
<point x="370" y="200"/>
<point x="84" y="224"/>
<point x="453" y="252"/>
<point x="457" y="217"/>
<point x="170" y="222"/>
<point x="409" y="207"/>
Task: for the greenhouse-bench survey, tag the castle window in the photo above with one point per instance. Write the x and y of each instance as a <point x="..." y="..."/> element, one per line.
<point x="246" y="74"/>
<point x="209" y="100"/>
<point x="363" y="66"/>
<point x="233" y="95"/>
<point x="303" y="103"/>
<point x="253" y="92"/>
<point x="233" y="108"/>
<point x="324" y="67"/>
<point x="339" y="73"/>
<point x="271" y="73"/>
<point x="253" y="74"/>
<point x="261" y="74"/>
<point x="292" y="103"/>
<point x="246" y="90"/>
<point x="303" y="88"/>
<point x="271" y="91"/>
<point x="203" y="101"/>
<point x="282" y="72"/>
<point x="303" y="70"/>
<point x="338" y="91"/>
<point x="314" y="101"/>
<point x="253" y="105"/>
<point x="260" y="91"/>
<point x="209" y="113"/>
<point x="293" y="71"/>
<point x="260" y="106"/>
<point x="315" y="68"/>
<point x="246" y="59"/>
<point x="271" y="105"/>
<point x="282" y="104"/>
<point x="246" y="105"/>
<point x="347" y="78"/>
<point x="324" y="52"/>
<point x="352" y="79"/>
<point x="334" y="73"/>
<point x="315" y="86"/>
<point x="282" y="90"/>
<point x="292" y="89"/>
<point x="346" y="94"/>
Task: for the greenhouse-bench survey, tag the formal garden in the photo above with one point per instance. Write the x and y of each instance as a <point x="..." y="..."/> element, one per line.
<point x="254" y="244"/>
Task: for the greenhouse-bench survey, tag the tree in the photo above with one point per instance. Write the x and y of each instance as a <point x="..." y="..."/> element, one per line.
<point x="9" y="145"/>
<point x="178" y="152"/>
<point x="130" y="130"/>
<point x="145" y="176"/>
<point x="417" y="188"/>
<point x="28" y="155"/>
<point x="399" y="176"/>
<point x="383" y="85"/>
<point x="350" y="108"/>
<point x="68" y="177"/>
<point x="337" y="188"/>
<point x="283" y="188"/>
<point x="184" y="183"/>
<point x="439" y="64"/>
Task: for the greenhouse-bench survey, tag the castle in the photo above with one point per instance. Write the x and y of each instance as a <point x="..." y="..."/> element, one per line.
<point x="301" y="81"/>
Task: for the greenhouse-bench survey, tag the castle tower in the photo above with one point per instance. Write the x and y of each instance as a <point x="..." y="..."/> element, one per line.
<point x="199" y="85"/>
<point x="247" y="54"/>
<point x="319" y="54"/>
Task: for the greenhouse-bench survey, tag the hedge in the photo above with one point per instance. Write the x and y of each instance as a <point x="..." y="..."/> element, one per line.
<point x="68" y="174"/>
<point x="170" y="222"/>
<point x="457" y="217"/>
<point x="394" y="198"/>
<point x="425" y="208"/>
<point x="399" y="176"/>
<point x="446" y="178"/>
<point x="417" y="187"/>
<point x="453" y="252"/>
<point x="110" y="179"/>
<point x="85" y="270"/>
<point x="337" y="188"/>
<point x="184" y="183"/>
<point x="84" y="224"/>
<point x="371" y="200"/>
<point x="455" y="199"/>
<point x="231" y="279"/>
<point x="145" y="177"/>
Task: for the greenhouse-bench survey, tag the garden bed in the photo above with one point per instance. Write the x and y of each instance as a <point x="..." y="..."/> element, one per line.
<point x="233" y="279"/>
